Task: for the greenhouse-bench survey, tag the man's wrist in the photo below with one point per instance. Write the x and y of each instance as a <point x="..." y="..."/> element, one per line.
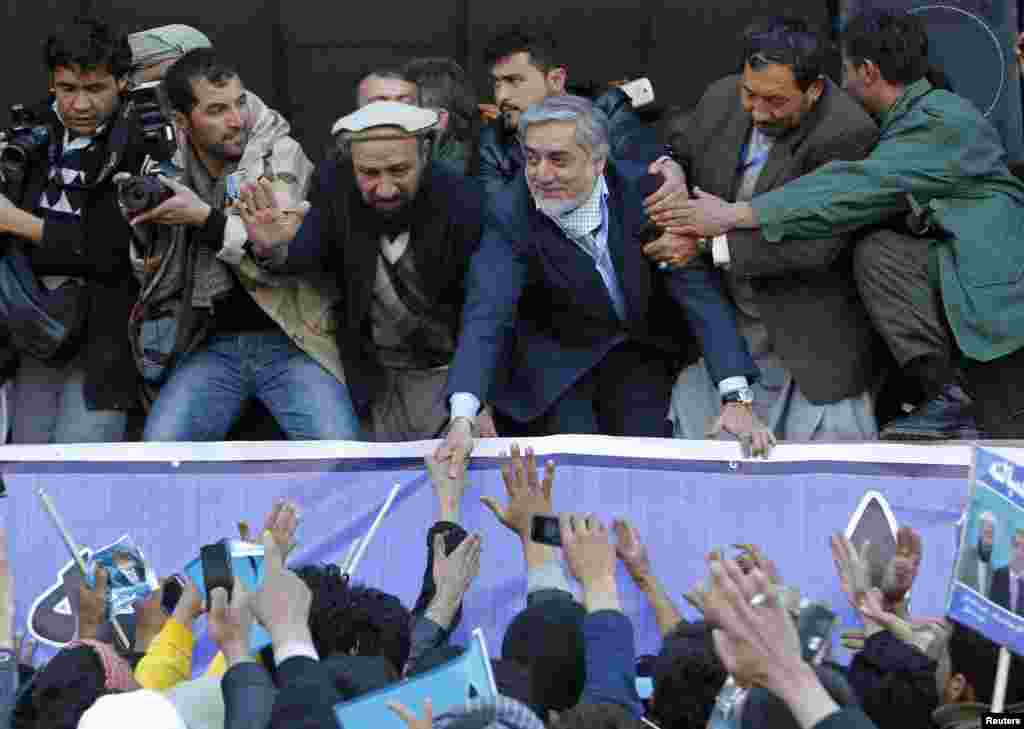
<point x="290" y="633"/>
<point x="601" y="593"/>
<point x="443" y="607"/>
<point x="799" y="688"/>
<point x="200" y="215"/>
<point x="742" y="215"/>
<point x="236" y="652"/>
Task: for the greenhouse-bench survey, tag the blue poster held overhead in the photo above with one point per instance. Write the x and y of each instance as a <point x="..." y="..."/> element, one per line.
<point x="987" y="590"/>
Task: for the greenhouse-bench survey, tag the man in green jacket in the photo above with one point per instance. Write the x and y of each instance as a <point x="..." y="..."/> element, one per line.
<point x="956" y="289"/>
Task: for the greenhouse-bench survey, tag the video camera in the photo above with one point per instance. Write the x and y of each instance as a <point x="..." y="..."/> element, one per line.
<point x="24" y="141"/>
<point x="142" y="192"/>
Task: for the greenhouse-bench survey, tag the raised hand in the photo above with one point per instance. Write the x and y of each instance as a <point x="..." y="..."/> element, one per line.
<point x="267" y="224"/>
<point x="282" y="604"/>
<point x="588" y="551"/>
<point x="526" y="494"/>
<point x="282" y="522"/>
<point x="457" y="447"/>
<point x="230" y="622"/>
<point x="631" y="551"/>
<point x="448" y="490"/>
<point x="453" y="575"/>
<point x="852" y="568"/>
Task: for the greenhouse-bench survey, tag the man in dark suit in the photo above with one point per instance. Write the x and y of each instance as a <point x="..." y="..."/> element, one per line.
<point x="796" y="301"/>
<point x="1008" y="581"/>
<point x="567" y="328"/>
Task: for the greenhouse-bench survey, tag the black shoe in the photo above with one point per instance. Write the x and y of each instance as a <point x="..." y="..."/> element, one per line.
<point x="945" y="417"/>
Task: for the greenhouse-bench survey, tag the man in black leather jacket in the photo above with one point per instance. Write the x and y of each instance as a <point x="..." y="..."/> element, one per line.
<point x="526" y="70"/>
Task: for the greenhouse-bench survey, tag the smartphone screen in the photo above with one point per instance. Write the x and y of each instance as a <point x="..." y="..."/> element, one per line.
<point x="545" y="530"/>
<point x="171" y="594"/>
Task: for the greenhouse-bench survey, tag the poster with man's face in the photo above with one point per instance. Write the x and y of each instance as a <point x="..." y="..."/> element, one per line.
<point x="987" y="589"/>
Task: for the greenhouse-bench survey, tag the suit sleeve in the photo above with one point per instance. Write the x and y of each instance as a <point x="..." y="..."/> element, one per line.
<point x="498" y="273"/>
<point x="752" y="254"/>
<point x="306" y="698"/>
<point x="249" y="695"/>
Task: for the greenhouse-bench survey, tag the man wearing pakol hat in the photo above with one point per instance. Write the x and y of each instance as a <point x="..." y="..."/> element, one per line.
<point x="247" y="333"/>
<point x="154" y="50"/>
<point x="398" y="231"/>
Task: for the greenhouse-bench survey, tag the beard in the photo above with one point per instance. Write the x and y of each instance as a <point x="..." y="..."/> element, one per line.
<point x="229" y="151"/>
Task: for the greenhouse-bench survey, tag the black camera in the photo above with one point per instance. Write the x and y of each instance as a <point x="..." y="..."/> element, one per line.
<point x="140" y="193"/>
<point x="24" y="141"/>
<point x="157" y="129"/>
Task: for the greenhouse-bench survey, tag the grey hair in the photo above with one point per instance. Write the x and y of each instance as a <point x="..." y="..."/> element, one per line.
<point x="591" y="123"/>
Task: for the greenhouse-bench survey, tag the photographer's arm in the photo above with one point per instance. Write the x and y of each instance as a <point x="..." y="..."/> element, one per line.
<point x="15" y="221"/>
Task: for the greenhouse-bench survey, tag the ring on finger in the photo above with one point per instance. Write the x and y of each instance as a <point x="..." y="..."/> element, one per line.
<point x="758" y="599"/>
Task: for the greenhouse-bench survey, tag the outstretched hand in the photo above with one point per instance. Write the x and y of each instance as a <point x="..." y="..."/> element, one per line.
<point x="631" y="551"/>
<point x="268" y="224"/>
<point x="527" y="495"/>
<point x="457" y="447"/>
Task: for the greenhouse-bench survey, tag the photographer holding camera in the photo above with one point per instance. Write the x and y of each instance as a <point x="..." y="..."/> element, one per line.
<point x="68" y="224"/>
<point x="213" y="328"/>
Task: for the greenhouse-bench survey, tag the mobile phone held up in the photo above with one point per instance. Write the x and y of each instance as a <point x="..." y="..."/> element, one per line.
<point x="545" y="530"/>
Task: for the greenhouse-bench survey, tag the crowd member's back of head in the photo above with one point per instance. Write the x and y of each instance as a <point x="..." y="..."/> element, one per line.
<point x="596" y="716"/>
<point x="687" y="678"/>
<point x="791" y="42"/>
<point x="68" y="685"/>
<point x="967" y="674"/>
<point x="896" y="42"/>
<point x="443" y="84"/>
<point x="354" y="619"/>
<point x="547" y="640"/>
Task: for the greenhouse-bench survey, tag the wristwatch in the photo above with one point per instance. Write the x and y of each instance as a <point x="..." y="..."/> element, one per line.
<point x="743" y="396"/>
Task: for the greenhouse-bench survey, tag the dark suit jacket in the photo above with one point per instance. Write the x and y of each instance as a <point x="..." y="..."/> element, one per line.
<point x="306" y="696"/>
<point x="805" y="289"/>
<point x="249" y="695"/>
<point x="336" y="235"/>
<point x="1000" y="593"/>
<point x="538" y="312"/>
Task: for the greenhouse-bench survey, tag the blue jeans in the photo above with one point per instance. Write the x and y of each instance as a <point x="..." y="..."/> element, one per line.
<point x="207" y="391"/>
<point x="49" y="407"/>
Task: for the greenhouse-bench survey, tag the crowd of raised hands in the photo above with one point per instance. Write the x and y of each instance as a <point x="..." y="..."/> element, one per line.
<point x="903" y="670"/>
